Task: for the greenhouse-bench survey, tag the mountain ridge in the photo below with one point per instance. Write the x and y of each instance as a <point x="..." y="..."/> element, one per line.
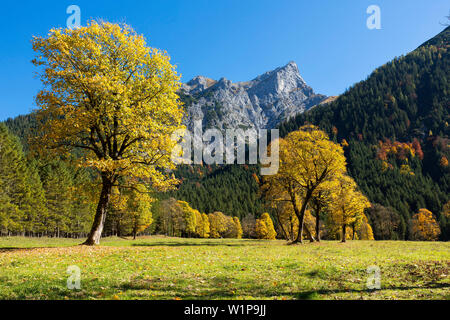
<point x="261" y="103"/>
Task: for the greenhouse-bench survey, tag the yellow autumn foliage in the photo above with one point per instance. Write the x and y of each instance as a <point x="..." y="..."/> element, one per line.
<point x="347" y="207"/>
<point x="264" y="227"/>
<point x="308" y="159"/>
<point x="424" y="226"/>
<point x="114" y="99"/>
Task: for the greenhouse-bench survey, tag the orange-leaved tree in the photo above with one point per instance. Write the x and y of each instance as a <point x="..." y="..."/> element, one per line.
<point x="109" y="95"/>
<point x="424" y="226"/>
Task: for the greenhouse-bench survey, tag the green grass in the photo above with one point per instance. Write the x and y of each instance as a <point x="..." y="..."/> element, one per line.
<point x="171" y="268"/>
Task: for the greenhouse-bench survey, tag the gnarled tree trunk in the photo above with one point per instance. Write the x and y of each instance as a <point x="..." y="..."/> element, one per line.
<point x="100" y="215"/>
<point x="301" y="217"/>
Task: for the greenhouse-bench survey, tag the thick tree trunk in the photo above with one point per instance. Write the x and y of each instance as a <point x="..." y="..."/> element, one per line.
<point x="344" y="233"/>
<point x="135" y="230"/>
<point x="100" y="215"/>
<point x="301" y="217"/>
<point x="317" y="227"/>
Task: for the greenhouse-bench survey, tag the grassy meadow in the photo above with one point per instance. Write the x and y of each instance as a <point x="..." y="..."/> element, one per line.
<point x="173" y="268"/>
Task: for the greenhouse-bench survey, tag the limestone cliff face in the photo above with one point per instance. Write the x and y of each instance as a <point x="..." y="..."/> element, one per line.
<point x="261" y="103"/>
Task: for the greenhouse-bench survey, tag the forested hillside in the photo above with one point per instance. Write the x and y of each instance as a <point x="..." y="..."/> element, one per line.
<point x="395" y="130"/>
<point x="23" y="126"/>
<point x="229" y="189"/>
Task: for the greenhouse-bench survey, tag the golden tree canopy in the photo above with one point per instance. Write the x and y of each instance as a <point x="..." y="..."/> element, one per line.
<point x="110" y="95"/>
<point x="217" y="224"/>
<point x="424" y="226"/>
<point x="348" y="203"/>
<point x="264" y="227"/>
<point x="307" y="159"/>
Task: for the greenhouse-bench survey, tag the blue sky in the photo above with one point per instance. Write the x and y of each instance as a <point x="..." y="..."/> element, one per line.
<point x="234" y="39"/>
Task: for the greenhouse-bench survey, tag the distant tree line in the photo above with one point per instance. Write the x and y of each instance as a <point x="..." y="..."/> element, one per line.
<point x="51" y="197"/>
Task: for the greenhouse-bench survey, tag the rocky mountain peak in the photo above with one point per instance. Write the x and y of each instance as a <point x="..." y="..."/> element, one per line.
<point x="198" y="84"/>
<point x="262" y="102"/>
<point x="281" y="81"/>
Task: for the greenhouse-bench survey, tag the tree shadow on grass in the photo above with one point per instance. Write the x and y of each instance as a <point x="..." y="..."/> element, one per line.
<point x="231" y="288"/>
<point x="14" y="249"/>
<point x="197" y="244"/>
<point x="212" y="289"/>
<point x="330" y="275"/>
<point x="314" y="294"/>
<point x="215" y="288"/>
